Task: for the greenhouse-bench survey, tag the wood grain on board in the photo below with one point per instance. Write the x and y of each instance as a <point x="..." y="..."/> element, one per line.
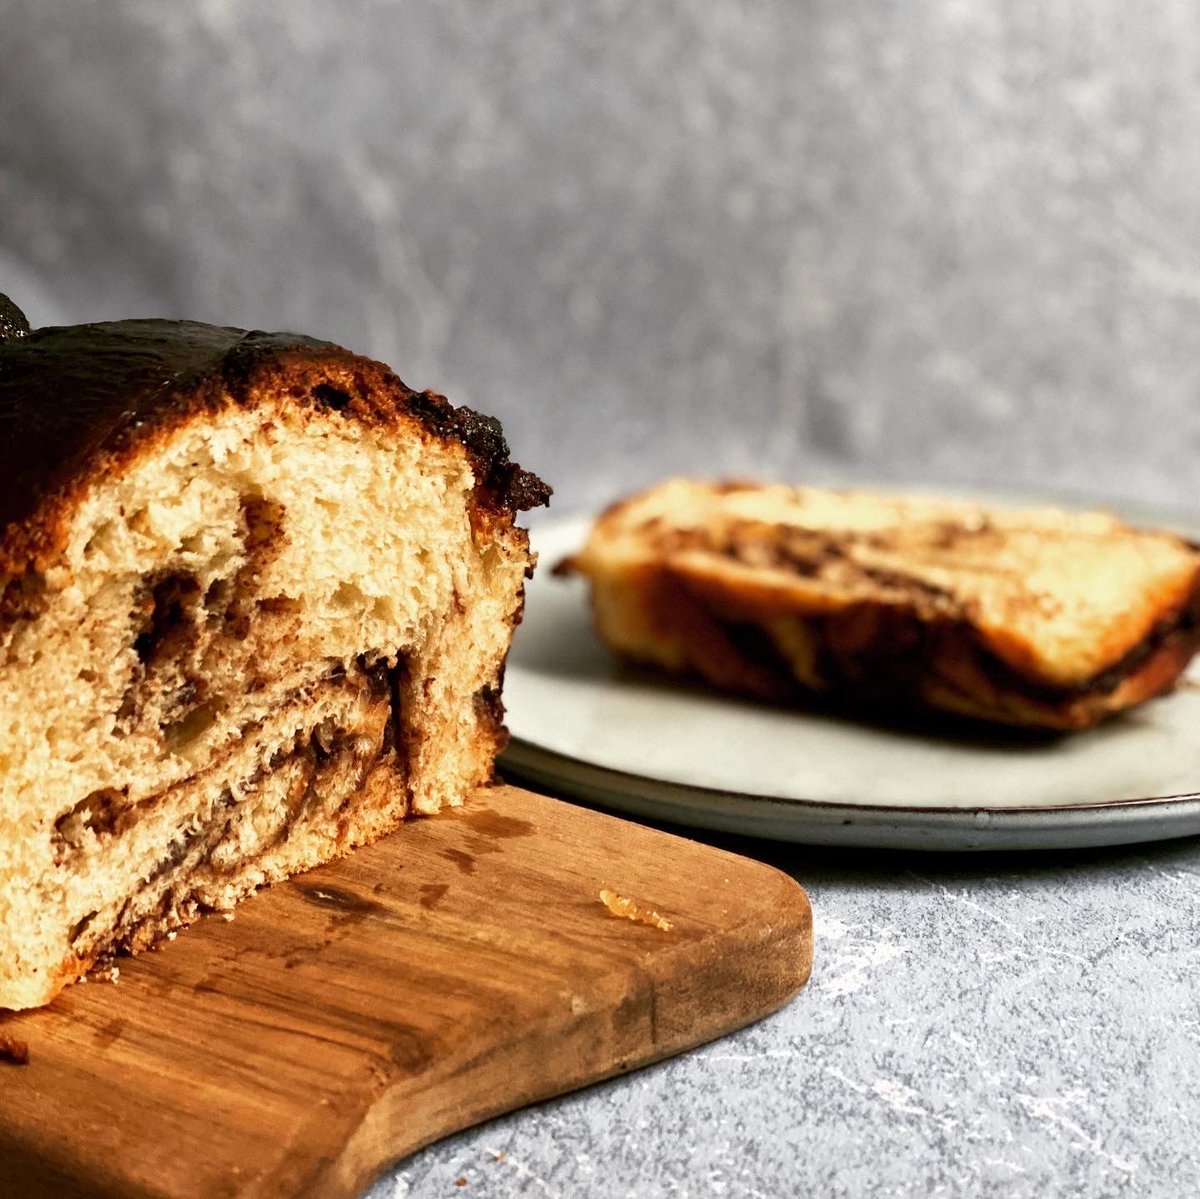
<point x="460" y="968"/>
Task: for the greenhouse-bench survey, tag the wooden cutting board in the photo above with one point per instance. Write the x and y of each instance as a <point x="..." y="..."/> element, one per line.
<point x="461" y="968"/>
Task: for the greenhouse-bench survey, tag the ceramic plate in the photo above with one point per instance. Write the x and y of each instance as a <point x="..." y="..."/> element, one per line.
<point x="586" y="726"/>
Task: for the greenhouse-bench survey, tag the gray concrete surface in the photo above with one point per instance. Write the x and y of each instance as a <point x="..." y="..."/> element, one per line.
<point x="1015" y="1026"/>
<point x="946" y="242"/>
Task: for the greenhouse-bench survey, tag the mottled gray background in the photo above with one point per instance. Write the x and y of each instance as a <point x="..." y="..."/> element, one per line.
<point x="949" y="241"/>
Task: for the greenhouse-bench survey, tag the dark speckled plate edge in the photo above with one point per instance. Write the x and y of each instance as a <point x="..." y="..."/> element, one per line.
<point x="813" y="822"/>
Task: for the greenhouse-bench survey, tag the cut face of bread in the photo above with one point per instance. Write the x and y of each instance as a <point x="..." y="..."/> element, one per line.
<point x="1034" y="617"/>
<point x="256" y="601"/>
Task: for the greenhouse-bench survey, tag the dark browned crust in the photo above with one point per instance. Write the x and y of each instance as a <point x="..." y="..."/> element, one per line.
<point x="13" y="323"/>
<point x="78" y="401"/>
<point x="483" y="438"/>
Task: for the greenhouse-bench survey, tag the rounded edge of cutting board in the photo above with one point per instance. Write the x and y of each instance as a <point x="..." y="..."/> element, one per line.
<point x="463" y="967"/>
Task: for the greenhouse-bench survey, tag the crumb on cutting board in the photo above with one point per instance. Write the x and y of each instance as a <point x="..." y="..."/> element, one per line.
<point x="629" y="909"/>
<point x="13" y="1051"/>
<point x="104" y="971"/>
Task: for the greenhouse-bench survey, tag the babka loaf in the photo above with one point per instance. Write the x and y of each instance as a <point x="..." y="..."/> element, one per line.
<point x="255" y="601"/>
<point x="1032" y="617"/>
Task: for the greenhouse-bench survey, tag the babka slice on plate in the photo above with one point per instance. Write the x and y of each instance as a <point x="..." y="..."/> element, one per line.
<point x="255" y="601"/>
<point x="1026" y="616"/>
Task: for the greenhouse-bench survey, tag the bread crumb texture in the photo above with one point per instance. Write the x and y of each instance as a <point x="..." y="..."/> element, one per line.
<point x="271" y="635"/>
<point x="628" y="909"/>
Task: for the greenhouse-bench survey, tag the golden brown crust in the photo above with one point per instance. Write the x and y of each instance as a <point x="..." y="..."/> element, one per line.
<point x="887" y="608"/>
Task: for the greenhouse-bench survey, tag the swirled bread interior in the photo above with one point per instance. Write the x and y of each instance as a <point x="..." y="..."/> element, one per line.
<point x="255" y="624"/>
<point x="1023" y="616"/>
